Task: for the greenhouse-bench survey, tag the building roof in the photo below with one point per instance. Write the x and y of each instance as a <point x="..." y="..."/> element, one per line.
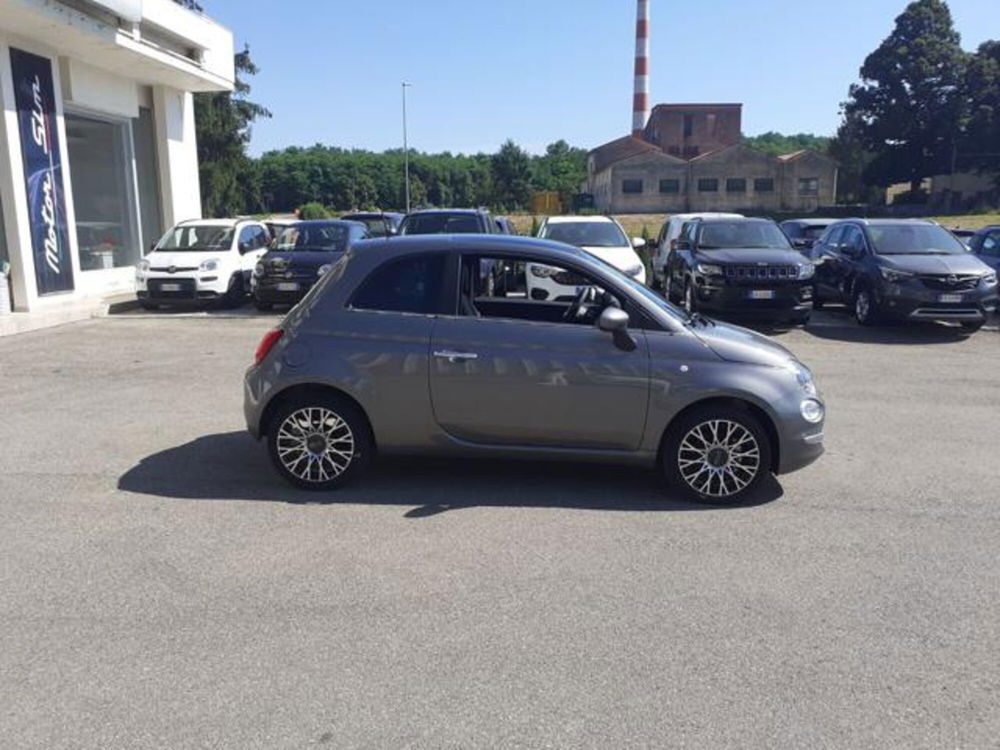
<point x="622" y="148"/>
<point x="723" y="105"/>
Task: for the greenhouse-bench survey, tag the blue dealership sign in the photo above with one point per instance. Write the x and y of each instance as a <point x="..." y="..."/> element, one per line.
<point x="34" y="96"/>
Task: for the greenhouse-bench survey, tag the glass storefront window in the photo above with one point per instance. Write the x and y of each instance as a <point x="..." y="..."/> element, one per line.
<point x="104" y="196"/>
<point x="147" y="179"/>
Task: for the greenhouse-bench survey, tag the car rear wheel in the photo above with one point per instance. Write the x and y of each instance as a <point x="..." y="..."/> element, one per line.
<point x="319" y="442"/>
<point x="717" y="455"/>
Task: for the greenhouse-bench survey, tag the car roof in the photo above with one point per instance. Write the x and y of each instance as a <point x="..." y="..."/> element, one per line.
<point x="811" y="222"/>
<point x="473" y="243"/>
<point x="215" y="222"/>
<point x="889" y="222"/>
<point x="705" y="215"/>
<point x="469" y="211"/>
<point x="327" y="223"/>
<point x="731" y="219"/>
<point x="580" y="220"/>
<point x="369" y="215"/>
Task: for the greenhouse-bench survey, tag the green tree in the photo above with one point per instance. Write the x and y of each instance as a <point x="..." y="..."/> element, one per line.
<point x="980" y="148"/>
<point x="511" y="171"/>
<point x="313" y="210"/>
<point x="230" y="180"/>
<point x="850" y="153"/>
<point x="777" y="144"/>
<point x="909" y="104"/>
<point x="562" y="168"/>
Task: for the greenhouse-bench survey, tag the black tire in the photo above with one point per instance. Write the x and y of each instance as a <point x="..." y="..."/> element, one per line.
<point x="817" y="303"/>
<point x="669" y="292"/>
<point x="973" y="327"/>
<point x="801" y="320"/>
<point x="728" y="487"/>
<point x="301" y="418"/>
<point x="866" y="313"/>
<point x="236" y="293"/>
<point x="263" y="306"/>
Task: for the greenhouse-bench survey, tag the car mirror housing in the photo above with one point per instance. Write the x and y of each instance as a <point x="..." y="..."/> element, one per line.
<point x="682" y="245"/>
<point x="638" y="243"/>
<point x="615" y="321"/>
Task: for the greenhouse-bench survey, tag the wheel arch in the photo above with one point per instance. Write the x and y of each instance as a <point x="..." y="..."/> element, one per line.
<point x="300" y="390"/>
<point x="759" y="413"/>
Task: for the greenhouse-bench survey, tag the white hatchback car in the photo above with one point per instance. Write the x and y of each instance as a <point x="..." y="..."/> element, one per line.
<point x="601" y="236"/>
<point x="200" y="261"/>
<point x="667" y="239"/>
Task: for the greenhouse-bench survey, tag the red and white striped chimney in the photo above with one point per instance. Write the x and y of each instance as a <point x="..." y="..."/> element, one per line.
<point x="640" y="106"/>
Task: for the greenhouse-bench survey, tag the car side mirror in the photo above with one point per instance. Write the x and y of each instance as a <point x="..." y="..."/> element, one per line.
<point x="682" y="245"/>
<point x="854" y="253"/>
<point x="243" y="247"/>
<point x="638" y="243"/>
<point x="615" y="321"/>
<point x="803" y="244"/>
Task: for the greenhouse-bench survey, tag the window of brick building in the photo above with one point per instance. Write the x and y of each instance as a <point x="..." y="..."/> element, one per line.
<point x="708" y="185"/>
<point x="763" y="185"/>
<point x="670" y="186"/>
<point x="809" y="186"/>
<point x="688" y="125"/>
<point x="736" y="185"/>
<point x="674" y="150"/>
<point x="631" y="186"/>
<point x="691" y="151"/>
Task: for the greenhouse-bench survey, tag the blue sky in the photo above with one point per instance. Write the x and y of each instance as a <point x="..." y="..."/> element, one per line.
<point x="539" y="70"/>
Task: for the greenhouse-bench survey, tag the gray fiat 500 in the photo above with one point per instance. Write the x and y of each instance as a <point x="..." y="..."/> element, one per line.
<point x="430" y="345"/>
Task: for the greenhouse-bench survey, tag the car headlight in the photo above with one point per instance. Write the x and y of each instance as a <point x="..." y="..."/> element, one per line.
<point x="989" y="279"/>
<point x="258" y="270"/>
<point x="143" y="267"/>
<point x="634" y="271"/>
<point x="807" y="271"/>
<point x="709" y="269"/>
<point x="324" y="270"/>
<point x="211" y="264"/>
<point x="894" y="276"/>
<point x="804" y="377"/>
<point x="812" y="411"/>
<point x="544" y="272"/>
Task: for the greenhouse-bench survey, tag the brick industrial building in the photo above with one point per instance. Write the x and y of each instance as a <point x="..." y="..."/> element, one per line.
<point x="690" y="157"/>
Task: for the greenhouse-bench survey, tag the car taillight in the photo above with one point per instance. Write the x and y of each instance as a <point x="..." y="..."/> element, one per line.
<point x="267" y="344"/>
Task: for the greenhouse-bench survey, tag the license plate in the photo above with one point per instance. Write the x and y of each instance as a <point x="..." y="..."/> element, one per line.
<point x="288" y="286"/>
<point x="761" y="294"/>
<point x="946" y="298"/>
<point x="170" y="287"/>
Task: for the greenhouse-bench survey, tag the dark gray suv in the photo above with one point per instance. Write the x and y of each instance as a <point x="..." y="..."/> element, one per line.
<point x="405" y="345"/>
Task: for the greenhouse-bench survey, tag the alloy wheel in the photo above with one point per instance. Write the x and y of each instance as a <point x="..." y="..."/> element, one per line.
<point x="718" y="458"/>
<point x="315" y="444"/>
<point x="862" y="306"/>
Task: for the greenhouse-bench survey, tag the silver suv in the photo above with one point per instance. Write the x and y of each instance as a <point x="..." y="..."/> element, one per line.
<point x="412" y="346"/>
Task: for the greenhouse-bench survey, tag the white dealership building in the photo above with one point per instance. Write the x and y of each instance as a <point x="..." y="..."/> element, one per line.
<point x="97" y="143"/>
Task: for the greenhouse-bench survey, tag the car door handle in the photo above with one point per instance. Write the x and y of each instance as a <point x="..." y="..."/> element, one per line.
<point x="455" y="357"/>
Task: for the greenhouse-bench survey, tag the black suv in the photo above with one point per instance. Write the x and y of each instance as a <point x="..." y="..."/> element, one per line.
<point x="745" y="266"/>
<point x="903" y="269"/>
<point x="449" y="221"/>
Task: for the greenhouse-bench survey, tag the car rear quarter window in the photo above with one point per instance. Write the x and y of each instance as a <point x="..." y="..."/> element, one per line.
<point x="413" y="284"/>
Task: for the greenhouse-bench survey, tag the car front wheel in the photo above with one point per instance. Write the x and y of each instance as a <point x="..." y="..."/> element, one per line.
<point x="717" y="455"/>
<point x="319" y="442"/>
<point x="865" y="307"/>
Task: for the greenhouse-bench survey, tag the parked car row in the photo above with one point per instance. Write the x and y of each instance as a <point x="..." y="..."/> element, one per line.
<point x="882" y="269"/>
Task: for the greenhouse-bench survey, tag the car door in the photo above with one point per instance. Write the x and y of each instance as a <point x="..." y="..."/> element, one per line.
<point x="851" y="260"/>
<point x="251" y="245"/>
<point x="680" y="255"/>
<point x="830" y="264"/>
<point x="987" y="249"/>
<point x="512" y="372"/>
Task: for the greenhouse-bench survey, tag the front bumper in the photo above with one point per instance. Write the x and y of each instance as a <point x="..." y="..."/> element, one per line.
<point x="174" y="289"/>
<point x="279" y="291"/>
<point x="801" y="450"/>
<point x="913" y="301"/>
<point x="774" y="300"/>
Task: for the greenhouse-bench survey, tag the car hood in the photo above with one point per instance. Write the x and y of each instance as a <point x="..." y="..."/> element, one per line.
<point x="962" y="265"/>
<point x="622" y="258"/>
<point x="305" y="260"/>
<point x="737" y="344"/>
<point x="182" y="258"/>
<point x="752" y="255"/>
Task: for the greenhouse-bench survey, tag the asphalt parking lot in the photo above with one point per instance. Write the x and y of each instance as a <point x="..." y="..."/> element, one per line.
<point x="161" y="587"/>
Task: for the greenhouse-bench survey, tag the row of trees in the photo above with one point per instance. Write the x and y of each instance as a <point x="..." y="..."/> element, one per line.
<point x="924" y="106"/>
<point x="344" y="179"/>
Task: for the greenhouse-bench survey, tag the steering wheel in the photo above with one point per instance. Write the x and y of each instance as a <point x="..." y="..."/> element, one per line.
<point x="586" y="297"/>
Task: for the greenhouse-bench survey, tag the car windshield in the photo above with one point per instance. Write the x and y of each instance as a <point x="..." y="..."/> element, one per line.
<point x="914" y="239"/>
<point x="378" y="226"/>
<point x="677" y="313"/>
<point x="813" y="232"/>
<point x="196" y="237"/>
<point x="327" y="239"/>
<point x="586" y="233"/>
<point x="732" y="235"/>
<point x="441" y="224"/>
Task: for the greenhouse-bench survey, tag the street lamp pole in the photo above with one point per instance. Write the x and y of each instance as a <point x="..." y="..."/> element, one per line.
<point x="406" y="148"/>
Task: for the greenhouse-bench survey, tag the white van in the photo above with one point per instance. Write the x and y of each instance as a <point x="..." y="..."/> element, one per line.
<point x="667" y="239"/>
<point x="201" y="261"/>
